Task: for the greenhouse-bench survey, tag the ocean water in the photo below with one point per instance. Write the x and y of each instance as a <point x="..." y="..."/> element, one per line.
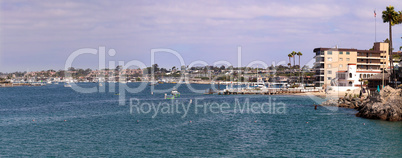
<point x="57" y="121"/>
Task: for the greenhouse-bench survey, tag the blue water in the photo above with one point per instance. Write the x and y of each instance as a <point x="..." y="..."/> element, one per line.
<point x="57" y="121"/>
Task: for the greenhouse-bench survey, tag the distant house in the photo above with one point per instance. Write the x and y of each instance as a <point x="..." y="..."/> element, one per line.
<point x="376" y="80"/>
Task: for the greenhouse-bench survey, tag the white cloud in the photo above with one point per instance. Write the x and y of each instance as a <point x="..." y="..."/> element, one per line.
<point x="45" y="27"/>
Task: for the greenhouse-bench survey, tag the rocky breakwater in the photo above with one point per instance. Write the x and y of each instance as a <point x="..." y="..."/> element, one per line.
<point x="385" y="106"/>
<point x="347" y="102"/>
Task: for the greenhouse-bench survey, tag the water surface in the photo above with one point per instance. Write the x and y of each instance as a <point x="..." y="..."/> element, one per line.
<point x="57" y="121"/>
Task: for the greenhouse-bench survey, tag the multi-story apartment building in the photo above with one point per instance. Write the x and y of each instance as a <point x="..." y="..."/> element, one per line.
<point x="330" y="61"/>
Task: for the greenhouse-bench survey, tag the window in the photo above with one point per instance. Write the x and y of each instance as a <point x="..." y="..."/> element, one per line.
<point x="329" y="53"/>
<point x="329" y="72"/>
<point x="340" y="65"/>
<point x="350" y="75"/>
<point x="329" y="78"/>
<point x="340" y="59"/>
<point x="329" y="66"/>
<point x="347" y="53"/>
<point x="341" y="76"/>
<point x="347" y="59"/>
<point x="340" y="52"/>
<point x="329" y="58"/>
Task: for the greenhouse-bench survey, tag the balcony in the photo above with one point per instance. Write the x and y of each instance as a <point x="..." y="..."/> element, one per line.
<point x="365" y="63"/>
<point x="369" y="56"/>
<point x="318" y="75"/>
<point x="315" y="82"/>
<point x="318" y="66"/>
<point x="319" y="59"/>
<point x="321" y="55"/>
<point x="364" y="57"/>
<point x="374" y="70"/>
<point x="320" y="78"/>
<point x="319" y="72"/>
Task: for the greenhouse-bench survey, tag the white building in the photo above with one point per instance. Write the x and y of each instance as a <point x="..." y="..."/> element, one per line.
<point x="350" y="79"/>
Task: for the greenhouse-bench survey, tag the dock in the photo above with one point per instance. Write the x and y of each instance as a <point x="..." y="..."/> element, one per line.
<point x="20" y="84"/>
<point x="276" y="91"/>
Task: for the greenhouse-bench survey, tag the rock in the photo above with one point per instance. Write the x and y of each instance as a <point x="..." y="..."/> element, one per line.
<point x="387" y="106"/>
<point x="343" y="105"/>
<point x="331" y="102"/>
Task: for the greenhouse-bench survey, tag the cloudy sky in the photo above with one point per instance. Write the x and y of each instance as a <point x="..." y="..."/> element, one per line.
<point x="40" y="35"/>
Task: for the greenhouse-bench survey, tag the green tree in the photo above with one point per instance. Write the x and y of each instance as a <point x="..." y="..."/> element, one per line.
<point x="71" y="69"/>
<point x="118" y="68"/>
<point x="400" y="48"/>
<point x="299" y="54"/>
<point x="392" y="17"/>
<point x="294" y="56"/>
<point x="222" y="67"/>
<point x="155" y="67"/>
<point x="290" y="55"/>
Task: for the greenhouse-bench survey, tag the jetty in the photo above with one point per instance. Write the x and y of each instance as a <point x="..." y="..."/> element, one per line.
<point x="20" y="84"/>
<point x="268" y="91"/>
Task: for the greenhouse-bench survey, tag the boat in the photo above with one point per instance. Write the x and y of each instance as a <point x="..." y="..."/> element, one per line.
<point x="153" y="83"/>
<point x="169" y="96"/>
<point x="175" y="93"/>
<point x="67" y="85"/>
<point x="278" y="85"/>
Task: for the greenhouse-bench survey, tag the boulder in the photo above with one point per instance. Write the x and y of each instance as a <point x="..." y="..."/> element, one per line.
<point x="387" y="106"/>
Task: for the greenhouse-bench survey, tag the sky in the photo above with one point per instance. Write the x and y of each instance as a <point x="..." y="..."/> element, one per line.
<point x="41" y="35"/>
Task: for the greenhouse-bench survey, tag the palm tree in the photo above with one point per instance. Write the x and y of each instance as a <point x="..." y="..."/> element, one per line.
<point x="290" y="55"/>
<point x="392" y="17"/>
<point x="294" y="56"/>
<point x="299" y="54"/>
<point x="400" y="48"/>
